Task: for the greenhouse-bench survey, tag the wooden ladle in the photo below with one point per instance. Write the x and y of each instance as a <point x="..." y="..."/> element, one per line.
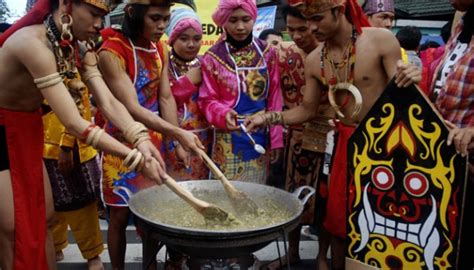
<point x="240" y="201"/>
<point x="210" y="212"/>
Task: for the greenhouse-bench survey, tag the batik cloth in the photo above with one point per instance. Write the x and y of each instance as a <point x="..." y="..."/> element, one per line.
<point x="302" y="167"/>
<point x="80" y="187"/>
<point x="144" y="67"/>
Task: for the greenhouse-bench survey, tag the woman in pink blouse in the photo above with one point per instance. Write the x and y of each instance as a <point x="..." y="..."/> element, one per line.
<point x="240" y="78"/>
<point x="185" y="35"/>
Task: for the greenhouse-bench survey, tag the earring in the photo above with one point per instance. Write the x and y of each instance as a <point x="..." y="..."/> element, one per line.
<point x="90" y="45"/>
<point x="66" y="49"/>
<point x="66" y="23"/>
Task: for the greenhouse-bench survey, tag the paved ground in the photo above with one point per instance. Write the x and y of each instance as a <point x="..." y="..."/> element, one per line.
<point x="74" y="261"/>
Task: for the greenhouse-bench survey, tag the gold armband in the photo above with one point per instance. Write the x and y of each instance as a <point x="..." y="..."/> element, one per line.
<point x="47" y="81"/>
<point x="274" y="118"/>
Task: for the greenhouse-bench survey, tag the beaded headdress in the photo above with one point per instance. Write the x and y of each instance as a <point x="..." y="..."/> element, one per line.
<point x="377" y="6"/>
<point x="102" y="4"/>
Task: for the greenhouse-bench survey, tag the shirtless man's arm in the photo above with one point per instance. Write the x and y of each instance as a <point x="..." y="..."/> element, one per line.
<point x="308" y="109"/>
<point x="405" y="74"/>
<point x="40" y="62"/>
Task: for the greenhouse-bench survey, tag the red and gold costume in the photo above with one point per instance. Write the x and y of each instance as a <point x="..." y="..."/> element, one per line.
<point x="74" y="194"/>
<point x="144" y="67"/>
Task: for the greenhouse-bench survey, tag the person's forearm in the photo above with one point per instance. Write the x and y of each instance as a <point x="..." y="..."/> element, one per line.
<point x="168" y="111"/>
<point x="106" y="143"/>
<point x="112" y="109"/>
<point x="153" y="121"/>
<point x="299" y="114"/>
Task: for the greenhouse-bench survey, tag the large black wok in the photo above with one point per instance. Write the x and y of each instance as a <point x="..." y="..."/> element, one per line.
<point x="204" y="243"/>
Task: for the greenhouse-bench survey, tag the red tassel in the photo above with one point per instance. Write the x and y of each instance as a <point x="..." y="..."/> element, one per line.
<point x="357" y="15"/>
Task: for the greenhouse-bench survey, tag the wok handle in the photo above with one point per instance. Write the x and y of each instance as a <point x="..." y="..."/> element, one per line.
<point x="298" y="191"/>
<point x="217" y="172"/>
<point x="184" y="194"/>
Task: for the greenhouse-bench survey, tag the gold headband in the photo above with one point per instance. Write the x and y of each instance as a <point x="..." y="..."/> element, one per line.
<point x="102" y="4"/>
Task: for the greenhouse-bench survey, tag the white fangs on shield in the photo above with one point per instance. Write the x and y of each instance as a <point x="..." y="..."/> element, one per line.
<point x="420" y="234"/>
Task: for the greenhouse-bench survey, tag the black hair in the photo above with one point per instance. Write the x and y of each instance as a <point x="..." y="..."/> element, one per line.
<point x="446" y="31"/>
<point x="409" y="37"/>
<point x="265" y="33"/>
<point x="132" y="25"/>
<point x="292" y="11"/>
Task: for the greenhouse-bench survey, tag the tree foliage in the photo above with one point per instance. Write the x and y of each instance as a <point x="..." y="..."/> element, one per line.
<point x="4" y="11"/>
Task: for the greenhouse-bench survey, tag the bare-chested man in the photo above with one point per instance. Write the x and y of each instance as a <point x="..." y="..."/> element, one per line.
<point x="39" y="62"/>
<point x="351" y="57"/>
<point x="303" y="163"/>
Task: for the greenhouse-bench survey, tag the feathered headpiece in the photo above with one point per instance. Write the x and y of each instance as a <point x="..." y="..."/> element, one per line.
<point x="311" y="7"/>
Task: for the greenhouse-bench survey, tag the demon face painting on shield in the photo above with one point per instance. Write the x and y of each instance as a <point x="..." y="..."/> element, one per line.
<point x="406" y="186"/>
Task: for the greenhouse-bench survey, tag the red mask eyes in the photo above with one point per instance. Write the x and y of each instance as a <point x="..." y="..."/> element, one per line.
<point x="415" y="184"/>
<point x="383" y="178"/>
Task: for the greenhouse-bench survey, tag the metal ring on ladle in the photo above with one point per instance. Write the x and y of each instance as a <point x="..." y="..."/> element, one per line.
<point x="353" y="90"/>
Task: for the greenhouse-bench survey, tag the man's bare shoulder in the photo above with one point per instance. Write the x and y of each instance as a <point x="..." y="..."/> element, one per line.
<point x="314" y="57"/>
<point x="30" y="47"/>
<point x="30" y="38"/>
<point x="376" y="33"/>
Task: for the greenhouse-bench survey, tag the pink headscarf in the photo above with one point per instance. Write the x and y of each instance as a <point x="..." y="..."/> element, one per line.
<point x="226" y="7"/>
<point x="182" y="19"/>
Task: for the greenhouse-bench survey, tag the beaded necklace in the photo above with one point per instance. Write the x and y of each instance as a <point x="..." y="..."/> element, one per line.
<point x="243" y="57"/>
<point x="66" y="58"/>
<point x="348" y="56"/>
<point x="63" y="49"/>
<point x="181" y="66"/>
